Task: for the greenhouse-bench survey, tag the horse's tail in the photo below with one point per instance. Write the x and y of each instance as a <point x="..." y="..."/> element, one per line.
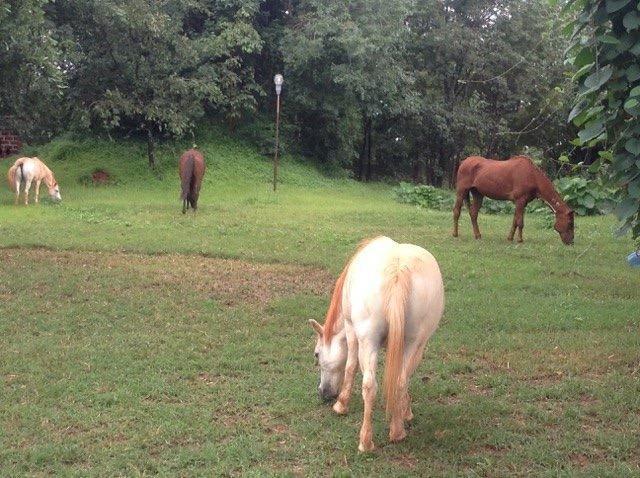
<point x="467" y="198"/>
<point x="11" y="174"/>
<point x="395" y="294"/>
<point x="185" y="177"/>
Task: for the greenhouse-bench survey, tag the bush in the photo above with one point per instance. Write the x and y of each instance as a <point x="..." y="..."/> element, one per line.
<point x="424" y="196"/>
<point x="586" y="197"/>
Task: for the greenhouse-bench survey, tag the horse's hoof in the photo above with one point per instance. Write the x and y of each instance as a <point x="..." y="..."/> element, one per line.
<point x="396" y="437"/>
<point x="366" y="447"/>
<point x="478" y="237"/>
<point x="339" y="408"/>
<point x="455" y="234"/>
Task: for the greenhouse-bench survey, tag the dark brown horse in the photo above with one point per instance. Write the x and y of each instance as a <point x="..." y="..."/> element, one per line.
<point x="516" y="179"/>
<point x="191" y="168"/>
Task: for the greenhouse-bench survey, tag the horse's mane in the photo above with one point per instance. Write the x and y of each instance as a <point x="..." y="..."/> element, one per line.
<point x="335" y="307"/>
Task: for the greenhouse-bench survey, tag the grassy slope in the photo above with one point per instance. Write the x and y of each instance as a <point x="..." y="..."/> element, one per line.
<point x="117" y="364"/>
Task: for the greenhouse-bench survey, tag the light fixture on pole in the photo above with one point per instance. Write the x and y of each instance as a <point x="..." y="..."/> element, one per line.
<point x="278" y="80"/>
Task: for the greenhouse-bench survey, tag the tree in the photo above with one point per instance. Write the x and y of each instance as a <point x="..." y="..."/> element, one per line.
<point x="153" y="66"/>
<point x="487" y="73"/>
<point x="345" y="64"/>
<point x="32" y="83"/>
<point x="606" y="54"/>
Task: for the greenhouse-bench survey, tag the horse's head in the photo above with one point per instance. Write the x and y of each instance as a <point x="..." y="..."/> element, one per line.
<point x="331" y="355"/>
<point x="564" y="225"/>
<point x="54" y="191"/>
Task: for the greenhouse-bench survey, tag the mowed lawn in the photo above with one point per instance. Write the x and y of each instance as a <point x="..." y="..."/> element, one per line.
<point x="138" y="341"/>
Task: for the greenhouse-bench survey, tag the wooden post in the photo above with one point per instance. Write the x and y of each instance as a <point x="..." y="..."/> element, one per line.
<point x="275" y="160"/>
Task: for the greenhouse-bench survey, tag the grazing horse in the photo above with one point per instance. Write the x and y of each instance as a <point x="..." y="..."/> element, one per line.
<point x="516" y="179"/>
<point x="27" y="170"/>
<point x="191" y="168"/>
<point x="388" y="293"/>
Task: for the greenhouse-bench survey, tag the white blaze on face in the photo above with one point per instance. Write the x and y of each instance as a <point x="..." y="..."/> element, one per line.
<point x="54" y="192"/>
<point x="332" y="358"/>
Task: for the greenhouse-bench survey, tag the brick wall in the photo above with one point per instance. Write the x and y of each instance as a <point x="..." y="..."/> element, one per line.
<point x="9" y="143"/>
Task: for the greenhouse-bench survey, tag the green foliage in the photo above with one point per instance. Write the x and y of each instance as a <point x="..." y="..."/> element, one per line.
<point x="154" y="66"/>
<point x="605" y="52"/>
<point x="423" y="195"/>
<point x="586" y="197"/>
<point x="32" y="83"/>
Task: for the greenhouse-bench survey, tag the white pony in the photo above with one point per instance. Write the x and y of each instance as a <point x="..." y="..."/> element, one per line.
<point x="27" y="170"/>
<point x="387" y="293"/>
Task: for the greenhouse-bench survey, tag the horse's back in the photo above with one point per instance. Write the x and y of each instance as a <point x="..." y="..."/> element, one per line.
<point x="195" y="156"/>
<point x="368" y="275"/>
<point x="32" y="168"/>
<point x="497" y="179"/>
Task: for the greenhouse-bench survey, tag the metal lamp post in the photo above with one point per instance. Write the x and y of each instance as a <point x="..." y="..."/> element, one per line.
<point x="278" y="80"/>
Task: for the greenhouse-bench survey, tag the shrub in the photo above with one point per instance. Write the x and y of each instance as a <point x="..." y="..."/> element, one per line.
<point x="586" y="197"/>
<point x="424" y="196"/>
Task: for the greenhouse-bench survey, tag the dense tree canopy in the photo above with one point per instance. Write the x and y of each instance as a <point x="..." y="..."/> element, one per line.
<point x="32" y="82"/>
<point x="154" y="66"/>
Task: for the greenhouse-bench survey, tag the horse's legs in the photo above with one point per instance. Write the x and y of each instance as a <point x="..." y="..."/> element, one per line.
<point x="520" y="206"/>
<point x="17" y="185"/>
<point x="342" y="404"/>
<point x="514" y="225"/>
<point x="456" y="210"/>
<point x="411" y="363"/>
<point x="473" y="212"/>
<point x="184" y="206"/>
<point x="27" y="186"/>
<point x="518" y="220"/>
<point x="37" y="190"/>
<point x="411" y="359"/>
<point x="368" y="357"/>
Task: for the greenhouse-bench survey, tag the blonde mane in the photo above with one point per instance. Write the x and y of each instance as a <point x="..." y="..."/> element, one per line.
<point x="335" y="306"/>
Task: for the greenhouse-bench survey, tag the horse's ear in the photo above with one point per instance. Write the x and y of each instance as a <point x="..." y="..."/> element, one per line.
<point x="316" y="326"/>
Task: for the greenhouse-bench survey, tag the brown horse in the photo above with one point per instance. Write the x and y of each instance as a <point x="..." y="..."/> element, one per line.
<point x="191" y="168"/>
<point x="516" y="179"/>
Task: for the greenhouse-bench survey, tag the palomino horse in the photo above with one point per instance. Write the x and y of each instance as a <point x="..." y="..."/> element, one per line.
<point x="191" y="168"/>
<point x="387" y="293"/>
<point x="516" y="179"/>
<point x="27" y="170"/>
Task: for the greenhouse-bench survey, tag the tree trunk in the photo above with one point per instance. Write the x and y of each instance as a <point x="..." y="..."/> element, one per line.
<point x="368" y="135"/>
<point x="151" y="149"/>
<point x="363" y="150"/>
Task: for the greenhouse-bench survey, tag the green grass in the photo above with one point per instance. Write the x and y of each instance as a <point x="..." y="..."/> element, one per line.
<point x="136" y="340"/>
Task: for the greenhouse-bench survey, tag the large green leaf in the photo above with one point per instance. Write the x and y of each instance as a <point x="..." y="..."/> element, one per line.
<point x="595" y="80"/>
<point x="635" y="49"/>
<point x="631" y="20"/>
<point x="608" y="39"/>
<point x="577" y="109"/>
<point x="633" y="72"/>
<point x="615" y="5"/>
<point x="582" y="71"/>
<point x="634" y="91"/>
<point x="631" y="106"/>
<point x="584" y="57"/>
<point x="591" y="130"/>
<point x="627" y="208"/>
<point x="633" y="189"/>
<point x="633" y="146"/>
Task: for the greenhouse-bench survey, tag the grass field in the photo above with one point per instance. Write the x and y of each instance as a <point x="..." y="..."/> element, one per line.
<point x="138" y="341"/>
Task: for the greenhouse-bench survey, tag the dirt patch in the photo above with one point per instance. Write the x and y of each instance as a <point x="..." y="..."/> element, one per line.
<point x="231" y="282"/>
<point x="405" y="460"/>
<point x="100" y="176"/>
